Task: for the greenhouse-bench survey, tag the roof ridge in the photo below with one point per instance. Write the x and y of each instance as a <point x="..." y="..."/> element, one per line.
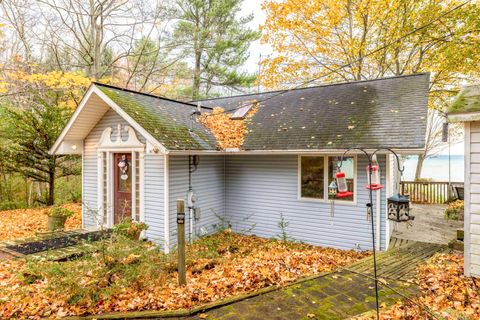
<point x="317" y="86"/>
<point x="190" y="104"/>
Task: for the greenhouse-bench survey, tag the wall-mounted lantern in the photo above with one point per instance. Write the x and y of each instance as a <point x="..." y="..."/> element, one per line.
<point x="399" y="208"/>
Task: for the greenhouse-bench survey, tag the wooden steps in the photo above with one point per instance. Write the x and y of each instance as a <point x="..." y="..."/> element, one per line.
<point x="400" y="263"/>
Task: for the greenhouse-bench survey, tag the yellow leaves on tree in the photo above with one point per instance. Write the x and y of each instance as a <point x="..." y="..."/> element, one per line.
<point x="70" y="86"/>
<point x="230" y="133"/>
<point x="314" y="38"/>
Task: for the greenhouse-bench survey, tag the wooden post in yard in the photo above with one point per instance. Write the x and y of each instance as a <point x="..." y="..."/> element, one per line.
<point x="182" y="277"/>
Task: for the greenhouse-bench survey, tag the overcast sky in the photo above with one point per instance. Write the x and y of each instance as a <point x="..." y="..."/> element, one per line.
<point x="255" y="7"/>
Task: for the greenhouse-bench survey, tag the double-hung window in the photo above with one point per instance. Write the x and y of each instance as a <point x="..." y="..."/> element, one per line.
<point x="316" y="173"/>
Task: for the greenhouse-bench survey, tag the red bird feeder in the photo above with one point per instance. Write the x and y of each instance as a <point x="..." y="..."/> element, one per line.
<point x="374" y="184"/>
<point x="342" y="185"/>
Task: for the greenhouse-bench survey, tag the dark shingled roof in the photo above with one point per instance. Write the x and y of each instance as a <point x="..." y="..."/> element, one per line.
<point x="166" y="120"/>
<point x="381" y="113"/>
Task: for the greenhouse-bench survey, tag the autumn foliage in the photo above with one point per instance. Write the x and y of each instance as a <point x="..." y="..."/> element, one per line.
<point x="129" y="275"/>
<point x="229" y="133"/>
<point x="445" y="291"/>
<point x="22" y="223"/>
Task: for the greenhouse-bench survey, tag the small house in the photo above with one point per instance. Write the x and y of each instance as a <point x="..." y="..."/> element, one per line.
<point x="263" y="166"/>
<point x="465" y="109"/>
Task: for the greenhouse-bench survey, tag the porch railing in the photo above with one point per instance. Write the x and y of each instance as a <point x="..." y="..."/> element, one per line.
<point x="430" y="192"/>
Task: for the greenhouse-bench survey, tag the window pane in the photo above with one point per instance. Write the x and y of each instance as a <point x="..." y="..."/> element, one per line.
<point x="312" y="177"/>
<point x="348" y="168"/>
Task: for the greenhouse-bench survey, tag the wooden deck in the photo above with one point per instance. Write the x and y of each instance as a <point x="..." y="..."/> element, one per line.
<point x="400" y="262"/>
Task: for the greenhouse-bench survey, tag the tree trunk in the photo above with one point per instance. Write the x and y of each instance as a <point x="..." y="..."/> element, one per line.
<point x="418" y="171"/>
<point x="51" y="183"/>
<point x="198" y="59"/>
<point x="51" y="189"/>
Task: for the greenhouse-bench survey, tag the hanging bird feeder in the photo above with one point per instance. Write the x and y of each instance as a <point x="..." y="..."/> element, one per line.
<point x="332" y="189"/>
<point x="373" y="180"/>
<point x="399" y="208"/>
<point x="342" y="185"/>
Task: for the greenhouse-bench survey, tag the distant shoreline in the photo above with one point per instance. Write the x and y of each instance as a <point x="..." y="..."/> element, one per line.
<point x="436" y="168"/>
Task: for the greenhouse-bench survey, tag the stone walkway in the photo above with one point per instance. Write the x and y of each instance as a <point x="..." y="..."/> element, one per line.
<point x="339" y="295"/>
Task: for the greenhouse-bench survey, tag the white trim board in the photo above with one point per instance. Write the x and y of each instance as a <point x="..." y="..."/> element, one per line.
<point x="95" y="90"/>
<point x="166" y="201"/>
<point x="326" y="181"/>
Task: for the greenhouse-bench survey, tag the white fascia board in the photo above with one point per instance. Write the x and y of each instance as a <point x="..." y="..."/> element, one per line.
<point x="296" y="151"/>
<point x="114" y="106"/>
<point x="129" y="119"/>
<point x="463" y="117"/>
<point x="72" y="120"/>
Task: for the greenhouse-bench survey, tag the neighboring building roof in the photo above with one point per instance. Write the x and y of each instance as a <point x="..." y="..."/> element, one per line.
<point x="168" y="121"/>
<point x="468" y="100"/>
<point x="381" y="113"/>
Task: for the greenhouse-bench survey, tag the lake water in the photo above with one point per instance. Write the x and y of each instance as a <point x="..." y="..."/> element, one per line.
<point x="436" y="168"/>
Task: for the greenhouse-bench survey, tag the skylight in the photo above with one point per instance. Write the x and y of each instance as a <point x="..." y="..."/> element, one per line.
<point x="241" y="112"/>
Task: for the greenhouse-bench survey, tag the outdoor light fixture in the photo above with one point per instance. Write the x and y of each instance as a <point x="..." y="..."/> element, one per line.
<point x="399" y="208"/>
<point x="373" y="178"/>
<point x="74" y="147"/>
<point x="342" y="185"/>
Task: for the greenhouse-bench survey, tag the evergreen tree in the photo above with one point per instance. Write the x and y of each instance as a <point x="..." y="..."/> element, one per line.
<point x="217" y="40"/>
<point x="30" y="133"/>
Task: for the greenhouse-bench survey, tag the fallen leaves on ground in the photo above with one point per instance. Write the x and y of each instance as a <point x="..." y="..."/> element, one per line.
<point x="445" y="291"/>
<point x="228" y="132"/>
<point x="218" y="266"/>
<point x="22" y="223"/>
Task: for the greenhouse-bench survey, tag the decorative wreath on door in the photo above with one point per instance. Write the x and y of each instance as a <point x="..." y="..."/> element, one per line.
<point x="123" y="165"/>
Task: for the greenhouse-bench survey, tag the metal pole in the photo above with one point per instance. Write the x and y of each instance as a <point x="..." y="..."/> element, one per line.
<point x="373" y="236"/>
<point x="182" y="276"/>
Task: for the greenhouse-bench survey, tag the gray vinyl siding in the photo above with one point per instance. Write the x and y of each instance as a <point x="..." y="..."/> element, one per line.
<point x="154" y="197"/>
<point x="259" y="188"/>
<point x="90" y="170"/>
<point x="207" y="182"/>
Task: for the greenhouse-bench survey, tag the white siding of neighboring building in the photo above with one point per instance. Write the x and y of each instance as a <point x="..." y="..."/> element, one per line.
<point x="472" y="198"/>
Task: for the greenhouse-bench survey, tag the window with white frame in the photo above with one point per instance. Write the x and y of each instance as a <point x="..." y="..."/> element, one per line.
<point x="317" y="172"/>
<point x="348" y="167"/>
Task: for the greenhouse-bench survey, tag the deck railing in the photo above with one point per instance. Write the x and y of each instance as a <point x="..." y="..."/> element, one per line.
<point x="428" y="192"/>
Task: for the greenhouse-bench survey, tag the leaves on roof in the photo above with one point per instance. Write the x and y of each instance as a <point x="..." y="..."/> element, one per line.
<point x="229" y="133"/>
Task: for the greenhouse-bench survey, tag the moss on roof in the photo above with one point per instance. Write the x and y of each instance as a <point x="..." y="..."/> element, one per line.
<point x="468" y="100"/>
<point x="153" y="115"/>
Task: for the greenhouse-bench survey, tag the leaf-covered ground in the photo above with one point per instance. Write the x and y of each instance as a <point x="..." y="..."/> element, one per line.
<point x="445" y="293"/>
<point x="22" y="223"/>
<point x="128" y="275"/>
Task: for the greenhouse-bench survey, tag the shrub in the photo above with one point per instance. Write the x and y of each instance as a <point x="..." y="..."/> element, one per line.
<point x="130" y="229"/>
<point x="59" y="212"/>
<point x="455" y="210"/>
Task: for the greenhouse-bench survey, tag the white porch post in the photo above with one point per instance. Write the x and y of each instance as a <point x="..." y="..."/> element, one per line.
<point x="100" y="214"/>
